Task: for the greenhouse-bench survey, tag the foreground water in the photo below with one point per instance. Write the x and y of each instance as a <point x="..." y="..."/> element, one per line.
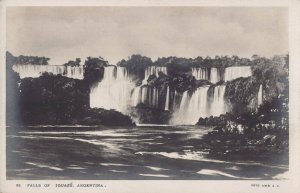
<point x="116" y="153"/>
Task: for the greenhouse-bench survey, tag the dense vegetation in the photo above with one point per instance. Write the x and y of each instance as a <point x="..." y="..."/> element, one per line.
<point x="73" y="63"/>
<point x="257" y="135"/>
<point x="94" y="69"/>
<point x="265" y="70"/>
<point x="247" y="132"/>
<point x="55" y="99"/>
<point x="136" y="65"/>
<point x="52" y="99"/>
<point x="34" y="60"/>
<point x="250" y="133"/>
<point x="271" y="73"/>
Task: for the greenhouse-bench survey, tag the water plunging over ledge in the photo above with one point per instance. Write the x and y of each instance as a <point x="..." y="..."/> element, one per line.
<point x="117" y="90"/>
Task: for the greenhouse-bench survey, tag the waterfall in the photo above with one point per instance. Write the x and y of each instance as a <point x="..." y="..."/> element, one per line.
<point x="155" y="101"/>
<point x="192" y="107"/>
<point x="114" y="91"/>
<point x="146" y="95"/>
<point x="153" y="70"/>
<point x="200" y="104"/>
<point x="230" y="73"/>
<point x="35" y="71"/>
<point x="174" y="100"/>
<point x="167" y="99"/>
<point x="74" y="72"/>
<point x="214" y="75"/>
<point x="184" y="100"/>
<point x="234" y="72"/>
<point x="200" y="73"/>
<point x="260" y="96"/>
<point x="118" y="91"/>
<point x="136" y="96"/>
<point x="217" y="104"/>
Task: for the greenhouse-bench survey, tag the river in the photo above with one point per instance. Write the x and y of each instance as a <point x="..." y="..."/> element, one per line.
<point x="118" y="153"/>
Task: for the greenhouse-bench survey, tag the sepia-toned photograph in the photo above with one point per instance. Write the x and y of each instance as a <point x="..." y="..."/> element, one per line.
<point x="143" y="93"/>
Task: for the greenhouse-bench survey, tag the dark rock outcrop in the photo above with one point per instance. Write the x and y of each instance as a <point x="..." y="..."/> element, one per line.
<point x="147" y="115"/>
<point x="99" y="116"/>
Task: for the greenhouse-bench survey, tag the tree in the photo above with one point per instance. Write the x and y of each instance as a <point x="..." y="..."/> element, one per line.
<point x="27" y="60"/>
<point x="94" y="69"/>
<point x="52" y="99"/>
<point x="136" y="65"/>
<point x="73" y="63"/>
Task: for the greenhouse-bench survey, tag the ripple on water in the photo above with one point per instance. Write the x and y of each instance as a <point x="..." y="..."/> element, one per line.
<point x="155" y="175"/>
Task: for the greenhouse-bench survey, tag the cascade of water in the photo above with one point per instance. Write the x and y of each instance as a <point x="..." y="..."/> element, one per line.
<point x="174" y="100"/>
<point x="74" y="72"/>
<point x="144" y="94"/>
<point x="260" y="96"/>
<point x="155" y="98"/>
<point x="136" y="96"/>
<point x="234" y="72"/>
<point x="114" y="91"/>
<point x="192" y="107"/>
<point x="148" y="96"/>
<point x="35" y="71"/>
<point x="218" y="105"/>
<point x="184" y="100"/>
<point x="153" y="70"/>
<point x="167" y="99"/>
<point x="200" y="73"/>
<point x="117" y="90"/>
<point x="198" y="103"/>
<point x="214" y="75"/>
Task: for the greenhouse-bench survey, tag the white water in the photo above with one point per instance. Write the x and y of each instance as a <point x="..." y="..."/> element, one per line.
<point x="174" y="106"/>
<point x="234" y="72"/>
<point x="149" y="96"/>
<point x="145" y="94"/>
<point x="259" y="96"/>
<point x="200" y="73"/>
<point x="214" y="75"/>
<point x="192" y="107"/>
<point x="196" y="105"/>
<point x="230" y="73"/>
<point x="117" y="91"/>
<point x="114" y="91"/>
<point x="218" y="105"/>
<point x="167" y="105"/>
<point x="136" y="96"/>
<point x="153" y="70"/>
<point x="35" y="71"/>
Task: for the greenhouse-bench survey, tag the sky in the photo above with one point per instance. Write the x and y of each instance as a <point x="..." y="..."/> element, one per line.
<point x="115" y="33"/>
